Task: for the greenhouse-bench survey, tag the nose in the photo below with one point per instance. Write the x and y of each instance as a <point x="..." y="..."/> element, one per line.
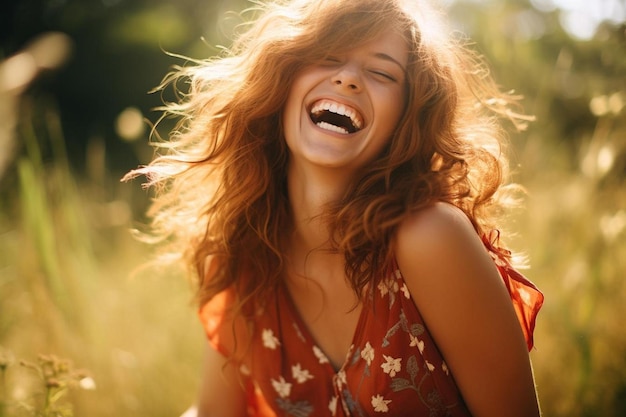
<point x="347" y="77"/>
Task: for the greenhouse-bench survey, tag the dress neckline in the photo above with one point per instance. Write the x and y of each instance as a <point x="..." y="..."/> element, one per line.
<point x="310" y="339"/>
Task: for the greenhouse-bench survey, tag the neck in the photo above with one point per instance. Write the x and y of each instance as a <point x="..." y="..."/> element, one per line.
<point x="310" y="193"/>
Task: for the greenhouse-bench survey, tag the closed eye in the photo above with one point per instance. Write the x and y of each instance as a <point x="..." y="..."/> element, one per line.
<point x="331" y="60"/>
<point x="384" y="75"/>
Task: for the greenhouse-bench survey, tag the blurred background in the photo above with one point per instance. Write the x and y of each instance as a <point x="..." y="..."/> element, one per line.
<point x="75" y="115"/>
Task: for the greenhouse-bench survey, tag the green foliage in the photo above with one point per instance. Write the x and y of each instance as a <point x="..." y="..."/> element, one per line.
<point x="572" y="161"/>
<point x="70" y="284"/>
<point x="69" y="278"/>
<point x="48" y="384"/>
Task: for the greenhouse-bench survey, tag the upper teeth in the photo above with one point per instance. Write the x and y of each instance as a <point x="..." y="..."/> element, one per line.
<point x="340" y="109"/>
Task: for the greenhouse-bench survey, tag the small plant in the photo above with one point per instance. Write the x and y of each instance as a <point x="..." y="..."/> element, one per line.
<point x="6" y="359"/>
<point x="54" y="377"/>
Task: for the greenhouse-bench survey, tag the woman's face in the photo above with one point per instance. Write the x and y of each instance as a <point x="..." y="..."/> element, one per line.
<point x="342" y="112"/>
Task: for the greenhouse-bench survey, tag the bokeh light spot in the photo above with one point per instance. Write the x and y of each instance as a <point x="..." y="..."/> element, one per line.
<point x="17" y="72"/>
<point x="129" y="124"/>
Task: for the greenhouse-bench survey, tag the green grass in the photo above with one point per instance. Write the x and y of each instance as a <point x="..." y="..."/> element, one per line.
<point x="573" y="229"/>
<point x="69" y="286"/>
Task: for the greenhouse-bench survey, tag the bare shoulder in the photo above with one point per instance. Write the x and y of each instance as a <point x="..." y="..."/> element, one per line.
<point x="442" y="258"/>
<point x="467" y="309"/>
<point x="441" y="230"/>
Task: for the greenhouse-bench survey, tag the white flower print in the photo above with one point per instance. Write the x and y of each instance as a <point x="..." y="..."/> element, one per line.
<point x="414" y="340"/>
<point x="388" y="285"/>
<point x="340" y="378"/>
<point x="332" y="405"/>
<point x="349" y="353"/>
<point x="391" y="366"/>
<point x="382" y="286"/>
<point x="298" y="332"/>
<point x="444" y="367"/>
<point x="405" y="291"/>
<point x="299" y="374"/>
<point x="282" y="387"/>
<point x="368" y="353"/>
<point x="269" y="340"/>
<point x="380" y="404"/>
<point x="430" y="366"/>
<point x="319" y="355"/>
<point x="420" y="346"/>
<point x="244" y="370"/>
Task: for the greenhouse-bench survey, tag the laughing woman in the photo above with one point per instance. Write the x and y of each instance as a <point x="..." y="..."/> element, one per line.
<point x="334" y="185"/>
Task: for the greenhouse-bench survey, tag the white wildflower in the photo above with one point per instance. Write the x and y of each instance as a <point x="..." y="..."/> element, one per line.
<point x="87" y="383"/>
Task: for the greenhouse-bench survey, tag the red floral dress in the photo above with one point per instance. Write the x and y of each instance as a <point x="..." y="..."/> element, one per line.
<point x="393" y="366"/>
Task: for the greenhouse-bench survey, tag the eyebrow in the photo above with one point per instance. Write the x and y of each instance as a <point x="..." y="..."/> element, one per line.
<point x="385" y="57"/>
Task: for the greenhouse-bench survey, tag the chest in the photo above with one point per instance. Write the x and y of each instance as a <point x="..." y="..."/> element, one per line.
<point x="382" y="357"/>
<point x="329" y="314"/>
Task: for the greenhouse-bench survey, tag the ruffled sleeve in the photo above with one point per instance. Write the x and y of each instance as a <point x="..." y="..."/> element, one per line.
<point x="526" y="297"/>
<point x="217" y="321"/>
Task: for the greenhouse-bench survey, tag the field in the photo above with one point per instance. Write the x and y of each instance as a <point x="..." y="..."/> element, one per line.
<point x="86" y="329"/>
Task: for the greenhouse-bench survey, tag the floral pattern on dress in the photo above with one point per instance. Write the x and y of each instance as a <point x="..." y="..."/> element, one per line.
<point x="393" y="366"/>
<point x="269" y="340"/>
<point x="389" y="369"/>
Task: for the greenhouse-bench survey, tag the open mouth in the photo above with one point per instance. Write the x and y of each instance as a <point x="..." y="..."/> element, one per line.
<point x="336" y="117"/>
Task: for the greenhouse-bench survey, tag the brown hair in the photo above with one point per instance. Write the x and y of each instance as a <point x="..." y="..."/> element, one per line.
<point x="221" y="178"/>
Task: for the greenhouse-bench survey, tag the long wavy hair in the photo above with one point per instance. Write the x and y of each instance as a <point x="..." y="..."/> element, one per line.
<point x="220" y="179"/>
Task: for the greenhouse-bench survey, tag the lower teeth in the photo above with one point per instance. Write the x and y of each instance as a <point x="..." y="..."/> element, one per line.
<point x="332" y="128"/>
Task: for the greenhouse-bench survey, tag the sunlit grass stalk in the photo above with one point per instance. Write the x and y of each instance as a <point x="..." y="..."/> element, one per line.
<point x="71" y="206"/>
<point x="38" y="222"/>
<point x="52" y="215"/>
<point x="3" y="387"/>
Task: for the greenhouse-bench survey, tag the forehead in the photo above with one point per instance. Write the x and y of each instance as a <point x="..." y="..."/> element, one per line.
<point x="388" y="45"/>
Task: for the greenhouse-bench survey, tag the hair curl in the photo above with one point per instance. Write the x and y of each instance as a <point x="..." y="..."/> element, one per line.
<point x="221" y="177"/>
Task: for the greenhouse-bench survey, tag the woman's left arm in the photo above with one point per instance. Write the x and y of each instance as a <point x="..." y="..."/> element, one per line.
<point x="468" y="311"/>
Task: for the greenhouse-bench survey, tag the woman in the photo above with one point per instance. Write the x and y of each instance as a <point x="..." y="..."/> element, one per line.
<point x="334" y="183"/>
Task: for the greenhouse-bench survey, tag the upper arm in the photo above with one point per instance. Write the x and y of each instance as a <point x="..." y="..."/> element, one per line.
<point x="221" y="391"/>
<point x="468" y="311"/>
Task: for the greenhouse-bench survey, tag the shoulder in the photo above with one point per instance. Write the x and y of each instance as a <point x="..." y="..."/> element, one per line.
<point x="441" y="230"/>
<point x="437" y="215"/>
<point x="440" y="254"/>
<point x="466" y="307"/>
<point x="442" y="258"/>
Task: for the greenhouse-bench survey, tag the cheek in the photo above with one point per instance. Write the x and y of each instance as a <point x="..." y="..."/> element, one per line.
<point x="393" y="111"/>
<point x="290" y="116"/>
<point x="294" y="104"/>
